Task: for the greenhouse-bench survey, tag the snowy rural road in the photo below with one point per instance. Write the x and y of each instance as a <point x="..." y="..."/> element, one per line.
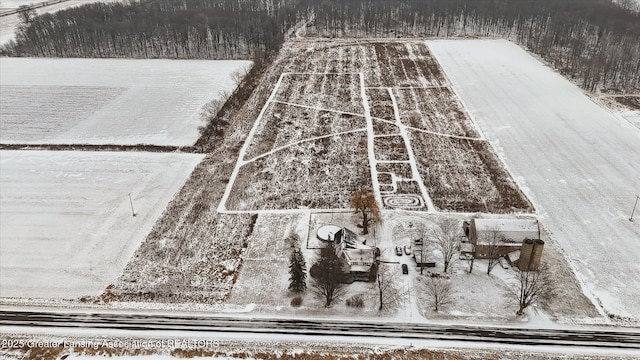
<point x="600" y="338"/>
<point x="577" y="162"/>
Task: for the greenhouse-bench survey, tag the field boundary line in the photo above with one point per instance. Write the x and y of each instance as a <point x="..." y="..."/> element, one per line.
<point x="393" y="162"/>
<point x="300" y="142"/>
<point x="289" y="211"/>
<point x="458" y="97"/>
<point x="317" y="108"/>
<point x="386" y="135"/>
<point x="408" y="87"/>
<point x="370" y="146"/>
<point x="245" y="146"/>
<point x="445" y="135"/>
<point x="412" y="158"/>
<point x="429" y="131"/>
<point x="384" y="120"/>
<point x="321" y="73"/>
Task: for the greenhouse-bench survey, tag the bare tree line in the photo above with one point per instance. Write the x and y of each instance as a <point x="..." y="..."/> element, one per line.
<point x="594" y="41"/>
<point x="188" y="29"/>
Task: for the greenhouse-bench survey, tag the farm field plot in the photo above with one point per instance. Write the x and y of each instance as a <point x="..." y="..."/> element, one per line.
<point x="341" y="111"/>
<point x="333" y="91"/>
<point x="108" y="101"/>
<point x="66" y="224"/>
<point x="577" y="162"/>
<point x="403" y="64"/>
<point x="308" y="106"/>
<point x="320" y="180"/>
<point x="453" y="170"/>
<point x="432" y="109"/>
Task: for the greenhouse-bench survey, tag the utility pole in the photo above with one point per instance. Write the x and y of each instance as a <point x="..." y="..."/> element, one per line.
<point x="133" y="212"/>
<point x="634" y="208"/>
<point x="421" y="240"/>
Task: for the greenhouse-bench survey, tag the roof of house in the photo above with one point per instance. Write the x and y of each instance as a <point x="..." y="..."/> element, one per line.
<point x="514" y="230"/>
<point x="352" y="250"/>
<point x="363" y="253"/>
<point x="467" y="247"/>
<point x="346" y="238"/>
<point x="360" y="268"/>
<point x="428" y="256"/>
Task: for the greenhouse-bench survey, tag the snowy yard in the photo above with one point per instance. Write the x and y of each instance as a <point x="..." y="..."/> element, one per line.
<point x="109" y="101"/>
<point x="577" y="162"/>
<point x="66" y="224"/>
<point x="263" y="279"/>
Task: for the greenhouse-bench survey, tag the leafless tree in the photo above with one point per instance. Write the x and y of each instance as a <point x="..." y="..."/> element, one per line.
<point x="238" y="75"/>
<point x="471" y="257"/>
<point x="470" y="261"/>
<point x="533" y="287"/>
<point x="629" y="5"/>
<point x="26" y="13"/>
<point x="327" y="275"/>
<point x="491" y="241"/>
<point x="365" y="204"/>
<point x="390" y="293"/>
<point x="440" y="292"/>
<point x="421" y="234"/>
<point x="445" y="237"/>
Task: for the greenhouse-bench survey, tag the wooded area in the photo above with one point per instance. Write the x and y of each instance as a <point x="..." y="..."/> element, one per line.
<point x="594" y="41"/>
<point x="189" y="29"/>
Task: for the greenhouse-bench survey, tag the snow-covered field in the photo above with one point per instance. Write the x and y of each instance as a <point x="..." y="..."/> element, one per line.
<point x="8" y="23"/>
<point x="579" y="164"/>
<point x="14" y="4"/>
<point x="66" y="224"/>
<point x="109" y="101"/>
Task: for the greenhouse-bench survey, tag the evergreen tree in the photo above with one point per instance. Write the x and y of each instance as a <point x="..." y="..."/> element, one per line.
<point x="297" y="272"/>
<point x="328" y="275"/>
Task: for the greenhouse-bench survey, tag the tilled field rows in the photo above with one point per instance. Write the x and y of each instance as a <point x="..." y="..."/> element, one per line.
<point x="310" y="146"/>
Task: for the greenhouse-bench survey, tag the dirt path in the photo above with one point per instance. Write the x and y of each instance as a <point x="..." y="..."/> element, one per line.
<point x="412" y="159"/>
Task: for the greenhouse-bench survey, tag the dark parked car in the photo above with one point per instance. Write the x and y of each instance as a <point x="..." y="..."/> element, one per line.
<point x="398" y="251"/>
<point x="405" y="269"/>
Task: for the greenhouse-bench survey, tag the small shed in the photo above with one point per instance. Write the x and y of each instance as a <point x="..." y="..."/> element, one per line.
<point x="512" y="230"/>
<point x="426" y="260"/>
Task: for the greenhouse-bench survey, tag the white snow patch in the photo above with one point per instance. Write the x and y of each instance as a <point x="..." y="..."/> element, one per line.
<point x="109" y="101"/>
<point x="66" y="224"/>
